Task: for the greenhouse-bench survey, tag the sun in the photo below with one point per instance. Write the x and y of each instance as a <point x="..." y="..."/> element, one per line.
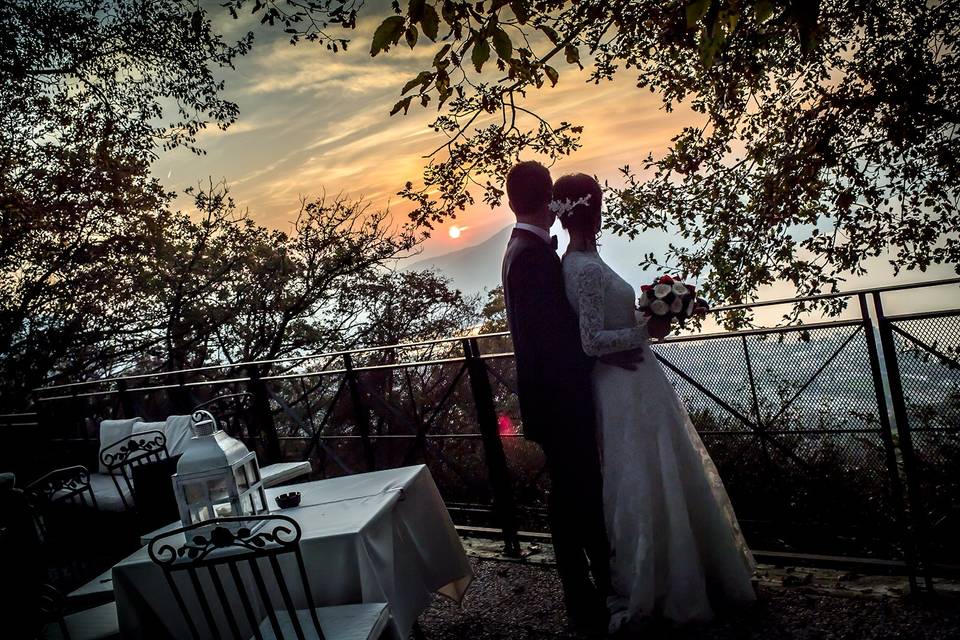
<point x="455" y="232"/>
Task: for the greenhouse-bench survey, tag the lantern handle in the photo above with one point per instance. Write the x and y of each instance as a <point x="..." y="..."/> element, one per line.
<point x="204" y="423"/>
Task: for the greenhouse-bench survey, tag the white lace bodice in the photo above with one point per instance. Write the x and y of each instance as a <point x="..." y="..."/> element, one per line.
<point x="605" y="304"/>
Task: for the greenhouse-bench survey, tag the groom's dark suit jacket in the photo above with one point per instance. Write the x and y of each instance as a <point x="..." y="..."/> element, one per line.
<point x="553" y="373"/>
<point x="556" y="404"/>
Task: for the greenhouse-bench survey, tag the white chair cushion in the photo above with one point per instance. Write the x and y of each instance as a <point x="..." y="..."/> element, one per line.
<point x="140" y="427"/>
<point x="276" y="474"/>
<point x="98" y="623"/>
<point x="178" y="432"/>
<point x="108" y="496"/>
<point x="113" y="430"/>
<point x="346" y="622"/>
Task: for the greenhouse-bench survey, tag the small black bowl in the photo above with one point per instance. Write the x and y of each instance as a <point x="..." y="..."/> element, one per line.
<point x="287" y="500"/>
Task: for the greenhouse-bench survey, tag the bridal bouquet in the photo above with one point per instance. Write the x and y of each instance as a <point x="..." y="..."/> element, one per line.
<point x="668" y="297"/>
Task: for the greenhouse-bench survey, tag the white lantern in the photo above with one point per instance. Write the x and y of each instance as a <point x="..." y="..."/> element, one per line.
<point x="217" y="476"/>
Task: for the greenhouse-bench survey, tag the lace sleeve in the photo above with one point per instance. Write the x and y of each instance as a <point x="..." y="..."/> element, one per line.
<point x="598" y="341"/>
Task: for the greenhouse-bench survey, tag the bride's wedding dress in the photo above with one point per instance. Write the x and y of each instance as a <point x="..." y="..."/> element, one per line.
<point x="675" y="542"/>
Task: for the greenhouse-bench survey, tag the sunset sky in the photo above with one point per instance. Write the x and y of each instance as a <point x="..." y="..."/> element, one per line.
<point x="312" y="121"/>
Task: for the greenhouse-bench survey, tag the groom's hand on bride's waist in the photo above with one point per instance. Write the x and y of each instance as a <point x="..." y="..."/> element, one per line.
<point x="624" y="359"/>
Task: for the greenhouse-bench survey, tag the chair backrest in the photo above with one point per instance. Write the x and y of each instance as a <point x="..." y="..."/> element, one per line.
<point x="122" y="456"/>
<point x="70" y="485"/>
<point x="67" y="485"/>
<point x="250" y="550"/>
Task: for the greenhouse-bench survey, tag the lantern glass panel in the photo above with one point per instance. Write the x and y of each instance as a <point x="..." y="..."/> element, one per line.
<point x="241" y="476"/>
<point x="217" y="488"/>
<point x="201" y="513"/>
<point x="193" y="491"/>
<point x="223" y="509"/>
<point x="257" y="502"/>
<point x="252" y="471"/>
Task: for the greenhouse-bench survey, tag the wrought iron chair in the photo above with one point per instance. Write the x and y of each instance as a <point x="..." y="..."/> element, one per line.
<point x="123" y="456"/>
<point x="249" y="552"/>
<point x="70" y="486"/>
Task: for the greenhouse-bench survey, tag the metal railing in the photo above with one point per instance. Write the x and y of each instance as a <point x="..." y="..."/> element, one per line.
<point x="836" y="440"/>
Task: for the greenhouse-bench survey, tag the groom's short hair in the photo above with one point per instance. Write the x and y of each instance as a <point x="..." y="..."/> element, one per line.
<point x="529" y="187"/>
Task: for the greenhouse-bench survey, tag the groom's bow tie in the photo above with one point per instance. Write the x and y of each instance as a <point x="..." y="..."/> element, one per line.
<point x="553" y="242"/>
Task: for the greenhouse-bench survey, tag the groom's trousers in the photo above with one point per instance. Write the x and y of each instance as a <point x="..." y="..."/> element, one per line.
<point x="577" y="521"/>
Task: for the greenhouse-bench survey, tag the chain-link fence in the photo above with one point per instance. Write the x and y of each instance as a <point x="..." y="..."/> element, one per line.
<point x="923" y="363"/>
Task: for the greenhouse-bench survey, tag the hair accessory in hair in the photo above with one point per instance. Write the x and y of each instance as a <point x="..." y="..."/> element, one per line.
<point x="565" y="207"/>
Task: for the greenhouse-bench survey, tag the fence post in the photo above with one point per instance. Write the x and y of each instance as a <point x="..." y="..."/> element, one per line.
<point x="80" y="408"/>
<point x="361" y="415"/>
<point x="262" y="415"/>
<point x="125" y="402"/>
<point x="496" y="460"/>
<point x="904" y="439"/>
<point x="758" y="423"/>
<point x="886" y="435"/>
<point x="182" y="402"/>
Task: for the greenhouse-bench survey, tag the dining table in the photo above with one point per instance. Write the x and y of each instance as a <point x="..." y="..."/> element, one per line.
<point x="383" y="536"/>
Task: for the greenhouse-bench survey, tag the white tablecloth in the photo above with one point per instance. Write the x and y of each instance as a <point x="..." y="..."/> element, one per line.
<point x="384" y="536"/>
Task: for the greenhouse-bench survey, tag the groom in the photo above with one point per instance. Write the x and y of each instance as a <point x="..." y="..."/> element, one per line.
<point x="556" y="403"/>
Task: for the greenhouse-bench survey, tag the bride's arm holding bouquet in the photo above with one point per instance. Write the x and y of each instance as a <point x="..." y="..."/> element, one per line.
<point x="669" y="299"/>
<point x="610" y="345"/>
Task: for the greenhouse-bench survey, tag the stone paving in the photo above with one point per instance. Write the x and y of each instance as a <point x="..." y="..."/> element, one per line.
<point x="520" y="600"/>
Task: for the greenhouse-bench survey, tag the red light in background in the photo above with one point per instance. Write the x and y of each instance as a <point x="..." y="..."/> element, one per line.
<point x="505" y="425"/>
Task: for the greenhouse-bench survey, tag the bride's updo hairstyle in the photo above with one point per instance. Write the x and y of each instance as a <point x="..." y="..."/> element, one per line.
<point x="584" y="218"/>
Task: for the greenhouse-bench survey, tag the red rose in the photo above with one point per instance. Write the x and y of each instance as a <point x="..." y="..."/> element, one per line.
<point x="665" y="280"/>
<point x="646" y="287"/>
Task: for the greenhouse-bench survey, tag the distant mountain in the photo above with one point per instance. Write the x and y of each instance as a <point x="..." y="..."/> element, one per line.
<point x="472" y="268"/>
<point x="477" y="267"/>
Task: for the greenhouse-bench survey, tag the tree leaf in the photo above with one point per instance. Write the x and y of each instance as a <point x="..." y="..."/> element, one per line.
<point x="444" y="50"/>
<point x="572" y="54"/>
<point x="430" y="22"/>
<point x="550" y="33"/>
<point x="696" y="9"/>
<point x="411" y="36"/>
<point x="552" y="74"/>
<point x="387" y="33"/>
<point x="502" y="44"/>
<point x="415" y="10"/>
<point x="423" y="78"/>
<point x="402" y="104"/>
<point x="481" y="53"/>
<point x="521" y="10"/>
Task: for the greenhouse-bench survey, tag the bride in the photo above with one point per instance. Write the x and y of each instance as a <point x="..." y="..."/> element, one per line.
<point x="676" y="546"/>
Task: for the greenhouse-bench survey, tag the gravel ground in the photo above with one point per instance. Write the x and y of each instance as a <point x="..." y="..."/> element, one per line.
<point x="514" y="600"/>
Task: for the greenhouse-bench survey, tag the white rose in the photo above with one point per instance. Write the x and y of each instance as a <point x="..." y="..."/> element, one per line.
<point x="659" y="307"/>
<point x="662" y="290"/>
<point x="676" y="306"/>
<point x="679" y="288"/>
<point x="644" y="301"/>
